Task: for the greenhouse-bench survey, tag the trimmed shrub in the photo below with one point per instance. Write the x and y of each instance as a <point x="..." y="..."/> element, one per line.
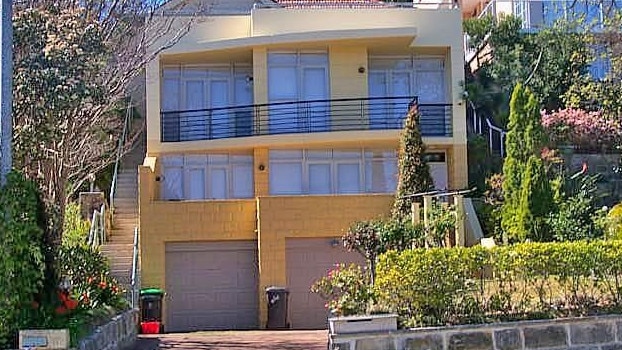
<point x="524" y="281"/>
<point x="346" y="289"/>
<point x="22" y="262"/>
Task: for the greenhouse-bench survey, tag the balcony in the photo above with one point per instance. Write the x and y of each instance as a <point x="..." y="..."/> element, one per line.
<point x="313" y="116"/>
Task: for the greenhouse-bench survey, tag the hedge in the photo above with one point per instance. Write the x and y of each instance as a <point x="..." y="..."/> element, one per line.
<point x="430" y="287"/>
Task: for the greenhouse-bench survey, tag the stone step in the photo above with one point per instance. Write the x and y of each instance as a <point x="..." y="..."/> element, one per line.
<point x="126" y="241"/>
<point x="125" y="189"/>
<point x="117" y="247"/>
<point x="130" y="176"/>
<point x="126" y="201"/>
<point x="122" y="232"/>
<point x="121" y="240"/>
<point x="123" y="229"/>
<point x="125" y="207"/>
<point x="123" y="217"/>
<point x="121" y="263"/>
<point x="124" y="214"/>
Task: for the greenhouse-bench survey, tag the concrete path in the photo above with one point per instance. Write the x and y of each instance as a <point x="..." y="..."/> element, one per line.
<point x="234" y="340"/>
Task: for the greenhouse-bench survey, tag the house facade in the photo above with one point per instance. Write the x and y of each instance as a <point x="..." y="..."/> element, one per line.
<point x="271" y="127"/>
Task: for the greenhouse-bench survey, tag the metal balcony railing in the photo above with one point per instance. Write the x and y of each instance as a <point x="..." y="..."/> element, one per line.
<point x="374" y="113"/>
<point x="360" y="4"/>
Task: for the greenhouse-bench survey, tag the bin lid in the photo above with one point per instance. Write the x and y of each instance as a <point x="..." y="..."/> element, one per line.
<point x="152" y="291"/>
<point x="276" y="289"/>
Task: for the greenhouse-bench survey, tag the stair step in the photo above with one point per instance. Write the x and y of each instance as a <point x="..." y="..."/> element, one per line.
<point x="129" y="245"/>
<point x="121" y="241"/>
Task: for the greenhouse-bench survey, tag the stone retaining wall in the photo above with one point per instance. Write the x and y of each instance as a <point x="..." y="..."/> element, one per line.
<point x="120" y="333"/>
<point x="590" y="333"/>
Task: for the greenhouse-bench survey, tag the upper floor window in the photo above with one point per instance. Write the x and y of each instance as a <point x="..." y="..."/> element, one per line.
<point x="406" y="76"/>
<point x="197" y="92"/>
<point x="298" y="76"/>
<point x="213" y="176"/>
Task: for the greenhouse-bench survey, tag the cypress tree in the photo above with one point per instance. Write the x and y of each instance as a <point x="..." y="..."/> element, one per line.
<point x="536" y="202"/>
<point x="526" y="190"/>
<point x="414" y="173"/>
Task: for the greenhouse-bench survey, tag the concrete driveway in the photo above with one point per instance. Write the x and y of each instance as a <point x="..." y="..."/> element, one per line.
<point x="230" y="340"/>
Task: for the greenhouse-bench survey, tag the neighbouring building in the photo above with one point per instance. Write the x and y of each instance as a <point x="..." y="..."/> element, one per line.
<point x="271" y="127"/>
<point x="539" y="14"/>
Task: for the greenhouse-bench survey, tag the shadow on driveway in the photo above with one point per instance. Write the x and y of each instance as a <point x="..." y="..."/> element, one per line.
<point x="230" y="340"/>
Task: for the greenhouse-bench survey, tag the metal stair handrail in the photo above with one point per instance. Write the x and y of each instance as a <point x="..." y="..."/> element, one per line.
<point x="97" y="232"/>
<point x="477" y="128"/>
<point x="122" y="140"/>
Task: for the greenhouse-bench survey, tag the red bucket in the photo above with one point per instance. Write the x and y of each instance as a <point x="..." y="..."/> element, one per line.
<point x="150" y="327"/>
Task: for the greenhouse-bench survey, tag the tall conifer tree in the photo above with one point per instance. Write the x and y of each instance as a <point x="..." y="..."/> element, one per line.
<point x="414" y="173"/>
<point x="526" y="190"/>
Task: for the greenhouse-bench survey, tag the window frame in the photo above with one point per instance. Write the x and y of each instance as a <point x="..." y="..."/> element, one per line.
<point x="189" y="162"/>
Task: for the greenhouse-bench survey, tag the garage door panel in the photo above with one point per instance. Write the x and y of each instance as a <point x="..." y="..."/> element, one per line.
<point x="307" y="261"/>
<point x="211" y="285"/>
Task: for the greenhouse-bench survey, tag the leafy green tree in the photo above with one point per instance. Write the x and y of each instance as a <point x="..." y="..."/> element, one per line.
<point x="75" y="64"/>
<point x="414" y="173"/>
<point x="22" y="264"/>
<point x="526" y="190"/>
<point x="602" y="95"/>
<point x="547" y="61"/>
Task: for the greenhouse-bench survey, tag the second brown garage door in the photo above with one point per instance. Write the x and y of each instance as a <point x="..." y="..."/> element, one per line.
<point x="309" y="259"/>
<point x="211" y="285"/>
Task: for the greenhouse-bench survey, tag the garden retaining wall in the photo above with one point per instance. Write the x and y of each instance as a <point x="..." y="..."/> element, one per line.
<point x="589" y="333"/>
<point x="120" y="333"/>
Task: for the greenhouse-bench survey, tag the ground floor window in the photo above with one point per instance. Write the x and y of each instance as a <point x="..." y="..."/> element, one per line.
<point x="332" y="171"/>
<point x="341" y="171"/>
<point x="213" y="176"/>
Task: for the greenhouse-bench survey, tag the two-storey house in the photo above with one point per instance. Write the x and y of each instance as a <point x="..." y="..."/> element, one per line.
<point x="271" y="127"/>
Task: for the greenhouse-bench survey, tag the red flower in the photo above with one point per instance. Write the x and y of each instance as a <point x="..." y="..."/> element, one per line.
<point x="102" y="284"/>
<point x="63" y="296"/>
<point x="71" y="304"/>
<point x="61" y="310"/>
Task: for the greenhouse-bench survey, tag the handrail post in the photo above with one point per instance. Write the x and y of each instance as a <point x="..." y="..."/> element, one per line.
<point x="91" y="238"/>
<point x="103" y="223"/>
<point x="134" y="268"/>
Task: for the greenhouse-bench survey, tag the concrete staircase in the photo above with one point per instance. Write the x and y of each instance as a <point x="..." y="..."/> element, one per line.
<point x="119" y="248"/>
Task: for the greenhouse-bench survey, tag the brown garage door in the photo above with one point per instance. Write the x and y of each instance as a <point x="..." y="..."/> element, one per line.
<point x="309" y="259"/>
<point x="211" y="285"/>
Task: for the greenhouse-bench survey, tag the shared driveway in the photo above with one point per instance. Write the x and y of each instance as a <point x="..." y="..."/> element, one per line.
<point x="230" y="340"/>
